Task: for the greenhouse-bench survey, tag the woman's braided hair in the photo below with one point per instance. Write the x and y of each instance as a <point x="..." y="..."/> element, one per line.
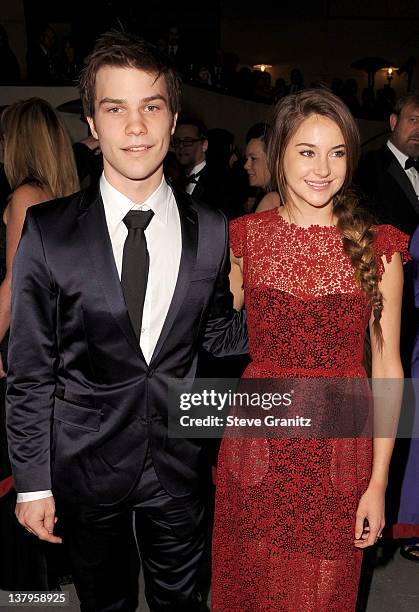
<point x="353" y="222"/>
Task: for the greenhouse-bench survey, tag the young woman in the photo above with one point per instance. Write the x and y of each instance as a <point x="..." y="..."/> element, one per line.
<point x="293" y="515"/>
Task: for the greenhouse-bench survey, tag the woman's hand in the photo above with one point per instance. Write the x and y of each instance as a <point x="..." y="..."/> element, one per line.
<point x="370" y="516"/>
<point x="3" y="374"/>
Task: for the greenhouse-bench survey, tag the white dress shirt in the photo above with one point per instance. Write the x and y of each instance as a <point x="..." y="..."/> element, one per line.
<point x="164" y="245"/>
<point x="191" y="186"/>
<point x="412" y="173"/>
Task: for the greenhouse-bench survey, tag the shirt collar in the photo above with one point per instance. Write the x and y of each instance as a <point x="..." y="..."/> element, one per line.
<point x="401" y="157"/>
<point x="117" y="205"/>
<point x="198" y="168"/>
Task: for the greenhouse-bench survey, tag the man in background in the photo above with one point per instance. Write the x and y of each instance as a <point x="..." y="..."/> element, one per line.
<point x="389" y="177"/>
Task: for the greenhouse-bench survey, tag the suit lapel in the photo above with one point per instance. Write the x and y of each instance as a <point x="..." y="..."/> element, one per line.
<point x="93" y="226"/>
<point x="402" y="179"/>
<point x="200" y="186"/>
<point x="197" y="192"/>
<point x="189" y="229"/>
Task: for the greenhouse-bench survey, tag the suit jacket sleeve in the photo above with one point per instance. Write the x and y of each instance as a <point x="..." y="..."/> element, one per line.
<point x="32" y="358"/>
<point x="225" y="332"/>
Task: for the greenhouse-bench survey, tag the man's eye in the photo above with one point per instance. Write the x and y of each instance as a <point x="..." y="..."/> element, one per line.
<point x="414" y="120"/>
<point x="151" y="108"/>
<point x="114" y="109"/>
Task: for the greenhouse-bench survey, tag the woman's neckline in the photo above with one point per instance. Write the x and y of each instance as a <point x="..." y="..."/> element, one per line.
<point x="292" y="225"/>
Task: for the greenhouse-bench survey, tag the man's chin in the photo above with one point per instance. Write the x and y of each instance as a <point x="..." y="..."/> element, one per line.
<point x="142" y="174"/>
<point x="137" y="178"/>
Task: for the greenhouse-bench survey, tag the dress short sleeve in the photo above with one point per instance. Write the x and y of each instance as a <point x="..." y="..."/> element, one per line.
<point x="238" y="236"/>
<point x="390" y="240"/>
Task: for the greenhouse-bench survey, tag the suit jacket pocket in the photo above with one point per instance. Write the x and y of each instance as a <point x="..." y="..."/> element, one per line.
<point x="203" y="274"/>
<point x="76" y="415"/>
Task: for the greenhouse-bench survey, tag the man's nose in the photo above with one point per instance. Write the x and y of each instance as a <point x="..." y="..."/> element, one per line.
<point x="136" y="124"/>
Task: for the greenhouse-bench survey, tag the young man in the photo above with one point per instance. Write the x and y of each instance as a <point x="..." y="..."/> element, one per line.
<point x="114" y="290"/>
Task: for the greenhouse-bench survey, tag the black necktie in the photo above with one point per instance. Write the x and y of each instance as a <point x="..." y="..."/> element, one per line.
<point x="411" y="163"/>
<point x="135" y="265"/>
<point x="193" y="178"/>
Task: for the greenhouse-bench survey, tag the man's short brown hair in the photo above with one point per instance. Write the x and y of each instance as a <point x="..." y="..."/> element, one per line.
<point x="403" y="101"/>
<point x="127" y="51"/>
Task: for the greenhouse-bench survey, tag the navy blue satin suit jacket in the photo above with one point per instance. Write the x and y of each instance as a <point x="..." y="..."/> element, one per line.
<point x="83" y="404"/>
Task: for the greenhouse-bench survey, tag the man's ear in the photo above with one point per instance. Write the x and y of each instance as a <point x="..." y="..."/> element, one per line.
<point x="204" y="146"/>
<point x="393" y="121"/>
<point x="91" y="123"/>
<point x="172" y="131"/>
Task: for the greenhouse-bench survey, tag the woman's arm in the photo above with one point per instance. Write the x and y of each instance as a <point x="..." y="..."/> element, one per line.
<point x="236" y="280"/>
<point x="387" y="375"/>
<point x="225" y="332"/>
<point x="14" y="217"/>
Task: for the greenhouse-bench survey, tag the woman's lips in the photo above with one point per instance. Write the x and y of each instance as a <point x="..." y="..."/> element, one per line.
<point x="318" y="185"/>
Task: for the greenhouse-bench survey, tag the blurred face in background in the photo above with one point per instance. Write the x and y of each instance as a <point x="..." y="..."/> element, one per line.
<point x="173" y="36"/>
<point x="189" y="146"/>
<point x="256" y="163"/>
<point x="69" y="51"/>
<point x="405" y="130"/>
<point x="47" y="38"/>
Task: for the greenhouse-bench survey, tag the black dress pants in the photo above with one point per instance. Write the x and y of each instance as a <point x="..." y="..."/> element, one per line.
<point x="106" y="544"/>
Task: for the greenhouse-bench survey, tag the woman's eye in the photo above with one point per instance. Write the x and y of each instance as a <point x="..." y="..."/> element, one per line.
<point x="340" y="153"/>
<point x="307" y="153"/>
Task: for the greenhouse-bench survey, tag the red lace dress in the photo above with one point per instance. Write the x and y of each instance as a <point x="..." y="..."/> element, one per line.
<point x="285" y="508"/>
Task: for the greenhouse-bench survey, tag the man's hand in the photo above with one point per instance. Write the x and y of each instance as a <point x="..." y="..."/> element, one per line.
<point x="38" y="517"/>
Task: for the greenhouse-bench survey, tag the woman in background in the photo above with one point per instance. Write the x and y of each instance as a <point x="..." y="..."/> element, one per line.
<point x="39" y="166"/>
<point x="257" y="169"/>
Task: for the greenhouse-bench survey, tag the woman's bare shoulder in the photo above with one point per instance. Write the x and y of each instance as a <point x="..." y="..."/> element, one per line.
<point x="269" y="201"/>
<point x="23" y="197"/>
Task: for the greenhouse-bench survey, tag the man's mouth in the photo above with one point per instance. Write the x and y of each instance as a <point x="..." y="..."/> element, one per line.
<point x="137" y="148"/>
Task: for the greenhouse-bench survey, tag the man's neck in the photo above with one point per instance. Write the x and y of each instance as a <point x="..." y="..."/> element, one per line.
<point x="135" y="190"/>
<point x="191" y="169"/>
<point x="397" y="148"/>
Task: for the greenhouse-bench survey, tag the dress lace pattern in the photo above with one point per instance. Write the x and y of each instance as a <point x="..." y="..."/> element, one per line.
<point x="285" y="508"/>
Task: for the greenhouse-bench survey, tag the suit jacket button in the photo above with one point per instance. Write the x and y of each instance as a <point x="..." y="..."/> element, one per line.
<point x="150" y="373"/>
